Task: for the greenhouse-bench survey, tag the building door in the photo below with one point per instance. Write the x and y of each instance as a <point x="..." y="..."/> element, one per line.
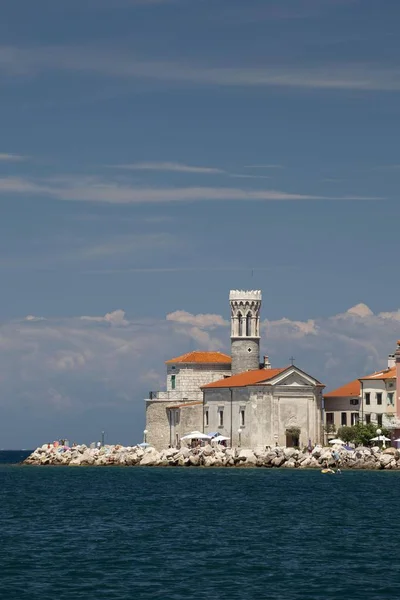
<point x="292" y="437"/>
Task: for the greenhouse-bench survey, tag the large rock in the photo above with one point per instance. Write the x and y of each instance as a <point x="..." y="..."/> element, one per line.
<point x="194" y="460"/>
<point x="247" y="456"/>
<point x="290" y="453"/>
<point x="278" y="461"/>
<point x="150" y="459"/>
<point x="385" y="459"/>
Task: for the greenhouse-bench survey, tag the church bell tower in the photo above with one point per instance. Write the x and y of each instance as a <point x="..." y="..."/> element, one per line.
<point x="245" y="329"/>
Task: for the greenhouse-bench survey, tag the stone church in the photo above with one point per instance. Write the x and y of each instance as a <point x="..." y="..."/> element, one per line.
<point x="252" y="404"/>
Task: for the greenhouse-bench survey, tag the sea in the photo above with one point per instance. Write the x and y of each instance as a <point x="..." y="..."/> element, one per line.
<point x="138" y="533"/>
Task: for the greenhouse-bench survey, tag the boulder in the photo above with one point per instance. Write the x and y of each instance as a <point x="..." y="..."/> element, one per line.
<point x="194" y="460"/>
<point x="278" y="461"/>
<point x="390" y="451"/>
<point x="208" y="450"/>
<point x="290" y="453"/>
<point x="316" y="453"/>
<point x="385" y="460"/>
<point x="150" y="459"/>
<point x="247" y="456"/>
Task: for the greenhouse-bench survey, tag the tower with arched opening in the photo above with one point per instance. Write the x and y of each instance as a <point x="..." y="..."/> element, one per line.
<point x="245" y="329"/>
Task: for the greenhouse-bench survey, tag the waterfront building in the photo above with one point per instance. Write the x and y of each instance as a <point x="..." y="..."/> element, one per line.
<point x="172" y="413"/>
<point x="253" y="404"/>
<point x="369" y="399"/>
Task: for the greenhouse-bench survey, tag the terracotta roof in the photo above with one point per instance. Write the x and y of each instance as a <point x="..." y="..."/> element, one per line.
<point x="184" y="404"/>
<point x="385" y="374"/>
<point x="201" y="357"/>
<point x="348" y="389"/>
<point x="246" y="378"/>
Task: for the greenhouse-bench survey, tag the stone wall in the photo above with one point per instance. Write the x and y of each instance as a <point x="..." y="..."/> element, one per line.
<point x="189" y="378"/>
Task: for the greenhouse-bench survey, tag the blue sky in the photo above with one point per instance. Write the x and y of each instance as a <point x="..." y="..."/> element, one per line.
<point x="155" y="154"/>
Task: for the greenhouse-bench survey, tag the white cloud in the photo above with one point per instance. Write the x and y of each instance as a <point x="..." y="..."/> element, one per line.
<point x="293" y="329"/>
<point x="33" y="319"/>
<point x="263" y="167"/>
<point x="246" y="176"/>
<point x="83" y="189"/>
<point x="207" y="321"/>
<point x="25" y="61"/>
<point x="359" y="310"/>
<point x="4" y="157"/>
<point x="167" y="166"/>
<point x="116" y="317"/>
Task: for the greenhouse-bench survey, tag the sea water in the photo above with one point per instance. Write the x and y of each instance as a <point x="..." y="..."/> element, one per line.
<point x="180" y="533"/>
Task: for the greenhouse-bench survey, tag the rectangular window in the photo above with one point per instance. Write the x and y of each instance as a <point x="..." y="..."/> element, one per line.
<point x="242" y="417"/>
<point x="354" y="401"/>
<point x="177" y="415"/>
<point x="344" y="419"/>
<point x="367" y="419"/>
<point x="390" y="398"/>
<point x="220" y="418"/>
<point x="354" y="419"/>
<point x="379" y="420"/>
<point x="367" y="398"/>
<point x="206" y="418"/>
<point x="379" y="397"/>
<point x="173" y="382"/>
<point x="330" y="418"/>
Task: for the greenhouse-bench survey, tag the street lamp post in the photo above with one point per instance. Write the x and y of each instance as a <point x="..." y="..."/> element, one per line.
<point x="240" y="436"/>
<point x="102" y="438"/>
<point x="145" y="432"/>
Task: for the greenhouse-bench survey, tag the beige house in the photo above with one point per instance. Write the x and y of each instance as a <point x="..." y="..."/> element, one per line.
<point x="370" y="399"/>
<point x="342" y="407"/>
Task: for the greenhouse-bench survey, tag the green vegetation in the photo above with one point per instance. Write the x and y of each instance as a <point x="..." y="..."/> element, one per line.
<point x="360" y="433"/>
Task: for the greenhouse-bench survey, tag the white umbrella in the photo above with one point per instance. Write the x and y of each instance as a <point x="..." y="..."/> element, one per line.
<point x="220" y="438"/>
<point x="398" y="440"/>
<point x="380" y="438"/>
<point x="337" y="441"/>
<point x="196" y="435"/>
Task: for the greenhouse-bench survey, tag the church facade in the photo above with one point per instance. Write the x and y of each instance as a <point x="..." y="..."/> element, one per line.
<point x="252" y="404"/>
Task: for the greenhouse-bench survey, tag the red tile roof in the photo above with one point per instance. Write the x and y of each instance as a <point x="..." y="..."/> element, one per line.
<point x="201" y="358"/>
<point x="385" y="374"/>
<point x="349" y="389"/>
<point x="245" y="379"/>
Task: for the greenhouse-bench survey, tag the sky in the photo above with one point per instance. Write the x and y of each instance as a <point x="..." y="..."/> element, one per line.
<point x="155" y="154"/>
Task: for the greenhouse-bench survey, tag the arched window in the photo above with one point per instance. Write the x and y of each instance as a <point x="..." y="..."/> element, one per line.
<point x="240" y="323"/>
<point x="248" y="324"/>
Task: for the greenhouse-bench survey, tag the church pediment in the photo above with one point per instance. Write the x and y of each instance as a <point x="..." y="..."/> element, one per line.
<point x="294" y="377"/>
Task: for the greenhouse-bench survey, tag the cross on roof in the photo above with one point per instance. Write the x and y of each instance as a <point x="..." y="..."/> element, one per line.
<point x="292" y="359"/>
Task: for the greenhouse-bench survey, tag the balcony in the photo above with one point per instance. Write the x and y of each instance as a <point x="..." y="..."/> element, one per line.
<point x="174" y="395"/>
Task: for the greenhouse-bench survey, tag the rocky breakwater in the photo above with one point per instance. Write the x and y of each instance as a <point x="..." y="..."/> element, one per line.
<point x="209" y="456"/>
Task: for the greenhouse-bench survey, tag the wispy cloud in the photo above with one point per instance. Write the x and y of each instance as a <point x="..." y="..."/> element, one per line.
<point x="6" y="157"/>
<point x="23" y="61"/>
<point x="263" y="167"/>
<point x="388" y="168"/>
<point x="92" y="190"/>
<point x="167" y="166"/>
<point x="246" y="176"/>
<point x="126" y="244"/>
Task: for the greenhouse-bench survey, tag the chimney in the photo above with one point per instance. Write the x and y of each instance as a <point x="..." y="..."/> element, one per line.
<point x="391" y="361"/>
<point x="267" y="364"/>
